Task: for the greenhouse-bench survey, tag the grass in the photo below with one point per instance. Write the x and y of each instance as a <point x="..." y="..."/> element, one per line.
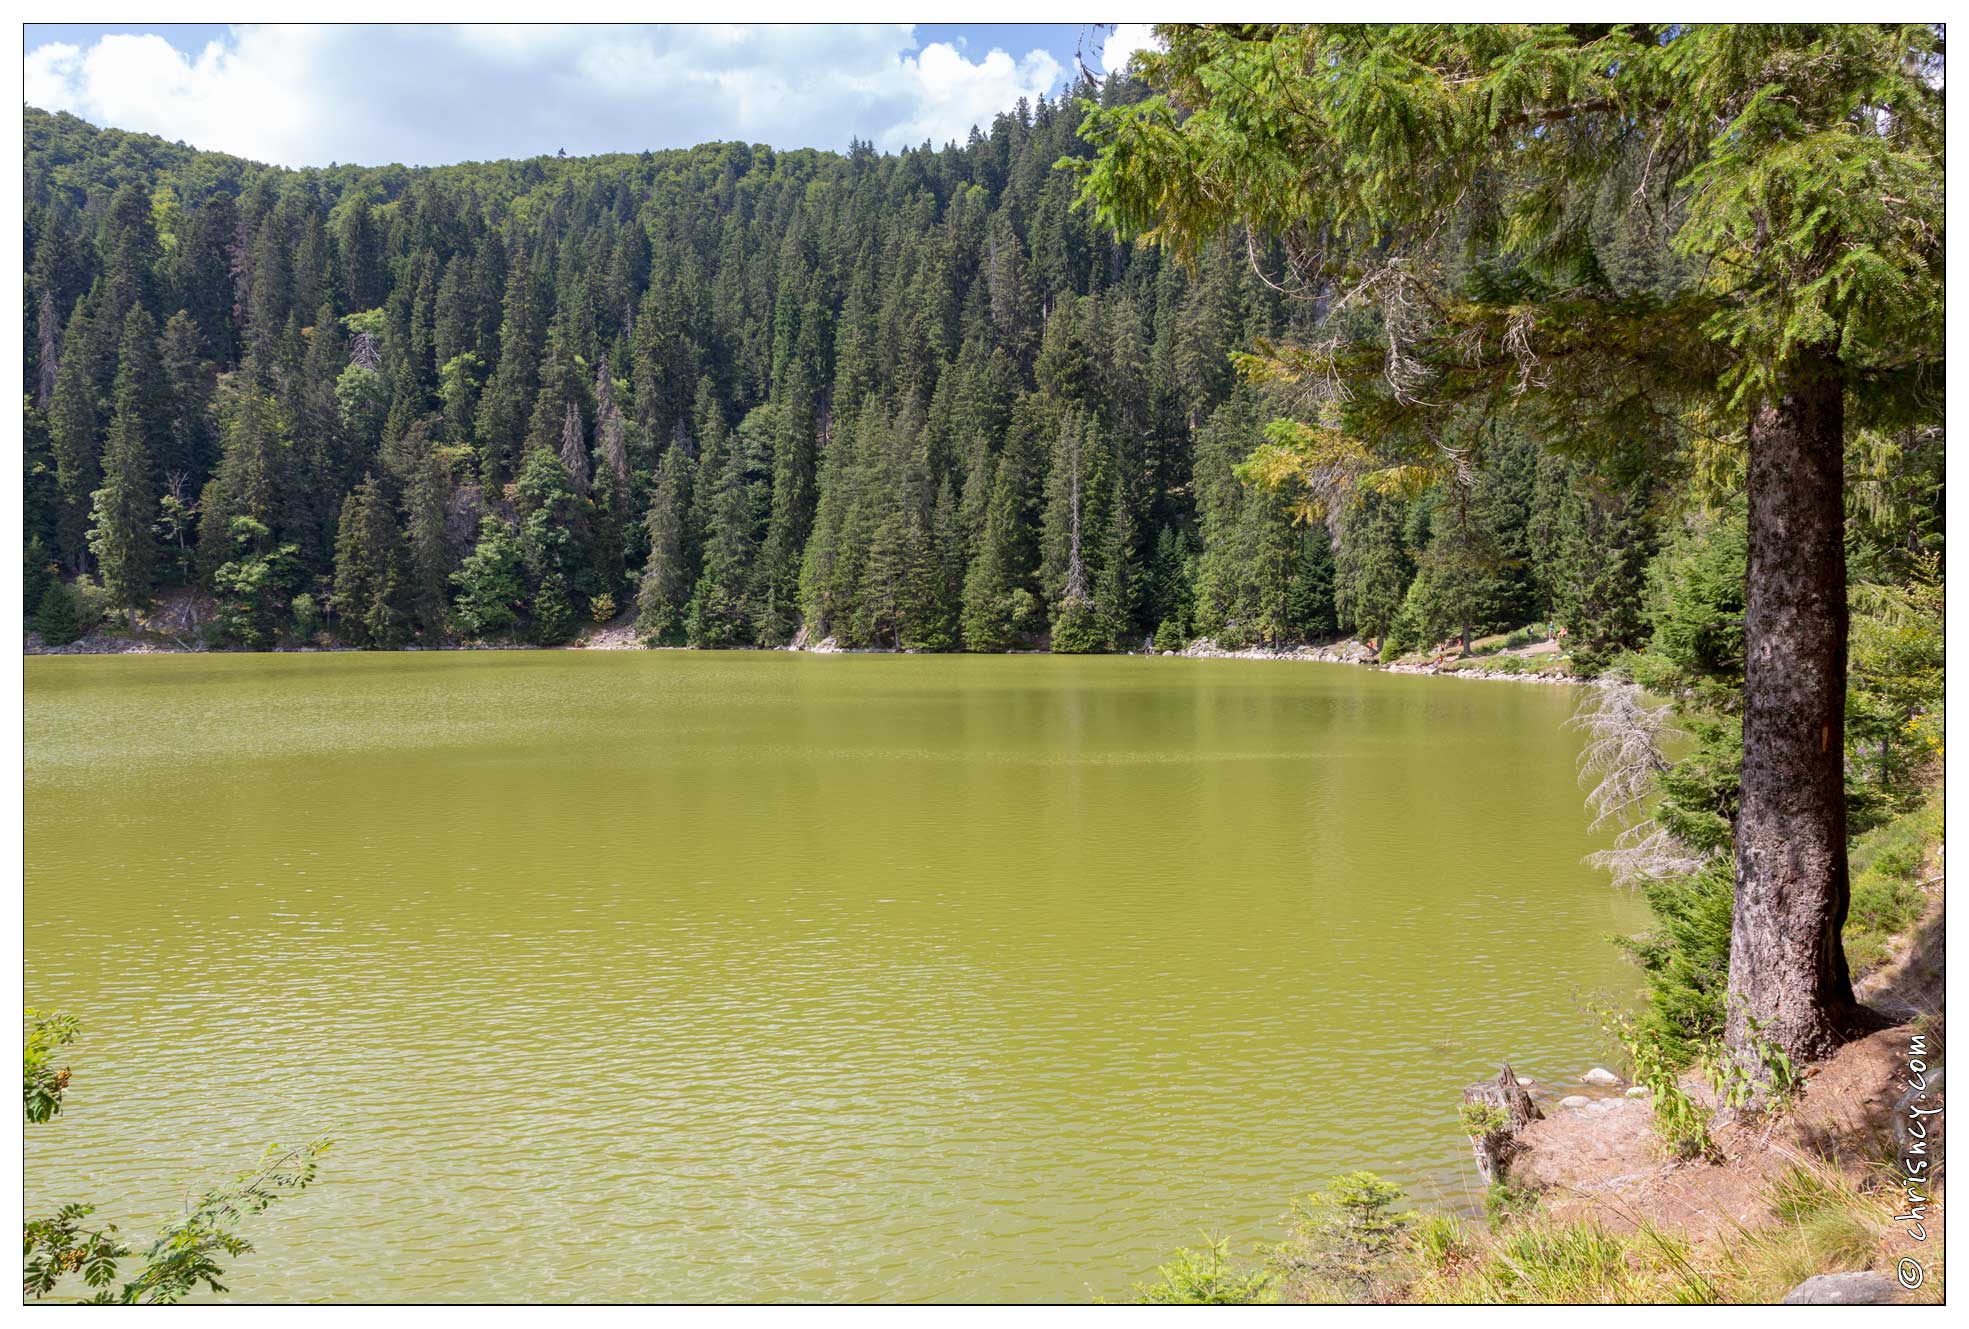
<point x="1825" y="1222"/>
<point x="1887" y="898"/>
<point x="1540" y="1261"/>
<point x="1824" y="1219"/>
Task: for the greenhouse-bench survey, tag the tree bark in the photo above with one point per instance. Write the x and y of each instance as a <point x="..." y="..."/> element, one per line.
<point x="1789" y="985"/>
<point x="1495" y="1149"/>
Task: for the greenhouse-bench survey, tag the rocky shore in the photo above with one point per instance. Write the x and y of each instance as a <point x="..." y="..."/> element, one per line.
<point x="1356" y="652"/>
<point x="173" y="629"/>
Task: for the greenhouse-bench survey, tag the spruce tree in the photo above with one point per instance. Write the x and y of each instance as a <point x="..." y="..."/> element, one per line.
<point x="668" y="575"/>
<point x="74" y="428"/>
<point x="371" y="591"/>
<point x="124" y="510"/>
<point x="56" y="617"/>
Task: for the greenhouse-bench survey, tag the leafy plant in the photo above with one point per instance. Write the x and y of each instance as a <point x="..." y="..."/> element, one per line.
<point x="186" y="1252"/>
<point x="1763" y="1077"/>
<point x="42" y="1082"/>
<point x="1682" y="1125"/>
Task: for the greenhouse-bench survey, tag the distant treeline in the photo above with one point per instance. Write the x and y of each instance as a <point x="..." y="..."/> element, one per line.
<point x="914" y="400"/>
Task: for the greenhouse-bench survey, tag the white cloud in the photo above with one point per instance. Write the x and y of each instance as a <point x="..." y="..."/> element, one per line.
<point x="311" y="94"/>
<point x="1123" y="42"/>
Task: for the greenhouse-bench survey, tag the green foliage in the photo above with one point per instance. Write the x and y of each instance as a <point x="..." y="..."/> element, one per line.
<point x="1895" y="688"/>
<point x="188" y="1250"/>
<point x="1206" y="1277"/>
<point x="371" y="582"/>
<point x="554" y="616"/>
<point x="1506" y="1202"/>
<point x="1685" y="958"/>
<point x="1888" y="897"/>
<point x="57" y="618"/>
<point x="490" y="586"/>
<point x="668" y="575"/>
<point x="1440" y="1240"/>
<point x="1480" y="1118"/>
<point x="252" y="590"/>
<point x="1544" y="1264"/>
<point x="305" y="613"/>
<point x="42" y="1082"/>
<point x="1343" y="1243"/>
<point x="1696" y="601"/>
<point x="1682" y="1126"/>
<point x="185" y="1253"/>
<point x="1759" y="1075"/>
<point x="38" y="572"/>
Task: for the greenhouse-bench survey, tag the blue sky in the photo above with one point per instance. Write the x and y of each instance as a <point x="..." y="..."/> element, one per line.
<point x="301" y="94"/>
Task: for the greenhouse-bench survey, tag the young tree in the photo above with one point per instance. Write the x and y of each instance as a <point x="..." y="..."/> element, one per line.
<point x="57" y="618"/>
<point x="1801" y="170"/>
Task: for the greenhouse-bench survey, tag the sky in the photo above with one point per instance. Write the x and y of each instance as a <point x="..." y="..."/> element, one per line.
<point x="422" y="95"/>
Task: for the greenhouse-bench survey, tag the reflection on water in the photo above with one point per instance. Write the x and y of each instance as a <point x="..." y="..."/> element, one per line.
<point x="631" y="976"/>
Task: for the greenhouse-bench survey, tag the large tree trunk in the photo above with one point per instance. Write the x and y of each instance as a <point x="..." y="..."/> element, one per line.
<point x="1788" y="979"/>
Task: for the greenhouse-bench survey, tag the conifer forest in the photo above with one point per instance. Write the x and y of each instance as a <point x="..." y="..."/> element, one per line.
<point x="916" y="400"/>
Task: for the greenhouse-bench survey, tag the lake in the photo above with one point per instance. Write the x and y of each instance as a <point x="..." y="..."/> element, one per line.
<point x="675" y="976"/>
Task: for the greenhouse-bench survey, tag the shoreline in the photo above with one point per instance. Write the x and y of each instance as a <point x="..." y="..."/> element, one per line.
<point x="614" y="638"/>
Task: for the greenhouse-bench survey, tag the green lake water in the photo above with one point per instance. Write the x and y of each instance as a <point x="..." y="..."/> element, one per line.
<point x="668" y="976"/>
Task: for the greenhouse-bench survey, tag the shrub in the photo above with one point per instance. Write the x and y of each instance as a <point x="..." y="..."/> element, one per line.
<point x="1169" y="636"/>
<point x="307" y="617"/>
<point x="1077" y="629"/>
<point x="602" y="607"/>
<point x="58" y="618"/>
<point x="1343" y="1243"/>
<point x="1685" y="958"/>
<point x="1772" y="1082"/>
<point x="1206" y="1277"/>
<point x="91" y="602"/>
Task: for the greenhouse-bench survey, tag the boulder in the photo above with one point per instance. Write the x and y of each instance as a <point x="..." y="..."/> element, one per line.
<point x="1637" y="1091"/>
<point x="1601" y="1076"/>
<point x="1859" y="1288"/>
<point x="1574" y="1101"/>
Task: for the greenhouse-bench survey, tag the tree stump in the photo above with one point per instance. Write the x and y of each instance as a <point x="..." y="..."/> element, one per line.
<point x="1508" y="1101"/>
